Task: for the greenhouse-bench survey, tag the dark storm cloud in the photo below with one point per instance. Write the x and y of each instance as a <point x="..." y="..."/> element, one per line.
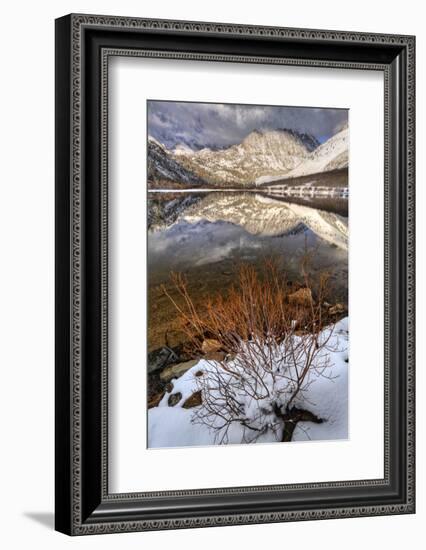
<point x="218" y="124"/>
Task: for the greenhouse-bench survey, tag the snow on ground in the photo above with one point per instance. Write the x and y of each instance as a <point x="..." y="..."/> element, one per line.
<point x="331" y="155"/>
<point x="172" y="427"/>
<point x="329" y="398"/>
<point x="326" y="397"/>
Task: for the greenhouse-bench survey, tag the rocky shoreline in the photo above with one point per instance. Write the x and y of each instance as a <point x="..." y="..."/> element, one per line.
<point x="166" y="364"/>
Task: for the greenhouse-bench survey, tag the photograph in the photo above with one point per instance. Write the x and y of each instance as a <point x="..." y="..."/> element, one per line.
<point x="247" y="273"/>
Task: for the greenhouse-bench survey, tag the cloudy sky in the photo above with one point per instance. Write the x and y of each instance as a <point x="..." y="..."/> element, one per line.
<point x="218" y="125"/>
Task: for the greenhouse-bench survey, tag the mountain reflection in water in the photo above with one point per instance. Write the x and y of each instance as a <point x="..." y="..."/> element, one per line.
<point x="206" y="235"/>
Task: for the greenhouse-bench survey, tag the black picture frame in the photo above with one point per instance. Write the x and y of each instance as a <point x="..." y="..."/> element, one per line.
<point x="83" y="45"/>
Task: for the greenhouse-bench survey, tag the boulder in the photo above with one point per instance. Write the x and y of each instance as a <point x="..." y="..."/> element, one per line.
<point x="302" y="297"/>
<point x="210" y="345"/>
<point x="336" y="309"/>
<point x="174" y="399"/>
<point x="155" y="400"/>
<point x="215" y="356"/>
<point x="194" y="400"/>
<point x="159" y="358"/>
<point x="175" y="371"/>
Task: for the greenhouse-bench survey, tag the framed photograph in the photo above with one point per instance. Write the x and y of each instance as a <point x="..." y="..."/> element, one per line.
<point x="234" y="274"/>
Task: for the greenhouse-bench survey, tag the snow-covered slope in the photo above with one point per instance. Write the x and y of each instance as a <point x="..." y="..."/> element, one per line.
<point x="260" y="153"/>
<point x="331" y="155"/>
<point x="163" y="168"/>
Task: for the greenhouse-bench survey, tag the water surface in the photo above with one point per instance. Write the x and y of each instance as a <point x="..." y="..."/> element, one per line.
<point x="207" y="235"/>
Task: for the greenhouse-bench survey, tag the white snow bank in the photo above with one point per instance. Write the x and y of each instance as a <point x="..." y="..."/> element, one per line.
<point x="172" y="427"/>
<point x="331" y="155"/>
<point x="326" y="396"/>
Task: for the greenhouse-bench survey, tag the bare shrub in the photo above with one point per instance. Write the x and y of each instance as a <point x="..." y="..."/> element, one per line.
<point x="271" y="344"/>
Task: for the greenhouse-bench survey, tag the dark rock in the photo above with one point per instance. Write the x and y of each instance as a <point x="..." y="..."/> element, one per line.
<point x="194" y="400"/>
<point x="155" y="385"/>
<point x="174" y="399"/>
<point x="155" y="400"/>
<point x="160" y="358"/>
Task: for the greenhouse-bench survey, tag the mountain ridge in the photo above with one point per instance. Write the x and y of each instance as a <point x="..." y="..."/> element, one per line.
<point x="262" y="156"/>
<point x="333" y="154"/>
<point x="162" y="168"/>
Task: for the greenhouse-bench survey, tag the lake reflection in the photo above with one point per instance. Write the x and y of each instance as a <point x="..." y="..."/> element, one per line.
<point x="206" y="235"/>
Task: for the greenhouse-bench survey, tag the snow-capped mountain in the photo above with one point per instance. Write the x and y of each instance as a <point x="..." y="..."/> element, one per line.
<point x="331" y="155"/>
<point x="309" y="140"/>
<point x="260" y="153"/>
<point x="163" y="169"/>
<point x="262" y="157"/>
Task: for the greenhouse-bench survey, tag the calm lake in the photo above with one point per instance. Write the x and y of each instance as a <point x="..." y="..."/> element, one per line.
<point x="206" y="235"/>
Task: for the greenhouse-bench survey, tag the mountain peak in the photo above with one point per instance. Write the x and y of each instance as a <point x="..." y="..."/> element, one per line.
<point x="182" y="149"/>
<point x="263" y="155"/>
<point x="309" y="141"/>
